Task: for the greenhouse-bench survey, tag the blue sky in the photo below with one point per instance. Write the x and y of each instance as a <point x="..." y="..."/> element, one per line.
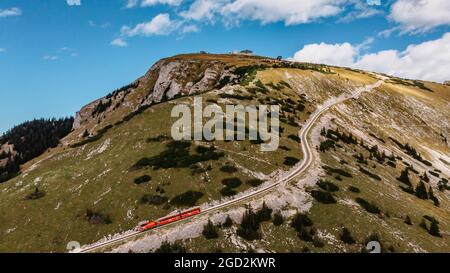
<point x="56" y="56"/>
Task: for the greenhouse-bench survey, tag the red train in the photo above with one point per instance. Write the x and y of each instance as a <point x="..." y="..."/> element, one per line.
<point x="169" y="219"/>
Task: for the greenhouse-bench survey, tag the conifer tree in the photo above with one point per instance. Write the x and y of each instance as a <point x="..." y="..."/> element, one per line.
<point x="421" y="191"/>
<point x="210" y="231"/>
<point x="434" y="229"/>
<point x="408" y="220"/>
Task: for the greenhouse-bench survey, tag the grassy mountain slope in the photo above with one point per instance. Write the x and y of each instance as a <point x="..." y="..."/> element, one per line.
<point x="90" y="186"/>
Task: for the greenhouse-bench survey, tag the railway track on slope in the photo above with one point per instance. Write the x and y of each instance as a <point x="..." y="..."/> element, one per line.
<point x="300" y="169"/>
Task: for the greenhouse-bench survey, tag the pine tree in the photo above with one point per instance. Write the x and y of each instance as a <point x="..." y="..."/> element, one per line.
<point x="433" y="197"/>
<point x="346" y="236"/>
<point x="404" y="177"/>
<point x="210" y="231"/>
<point x="425" y="177"/>
<point x="434" y="229"/>
<point x="408" y="220"/>
<point x="421" y="191"/>
<point x="249" y="226"/>
<point x="264" y="214"/>
<point x="278" y="219"/>
<point x="228" y="222"/>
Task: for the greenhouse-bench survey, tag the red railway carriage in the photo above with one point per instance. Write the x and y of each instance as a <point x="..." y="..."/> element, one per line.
<point x="190" y="213"/>
<point x="169" y="219"/>
<point x="147" y="226"/>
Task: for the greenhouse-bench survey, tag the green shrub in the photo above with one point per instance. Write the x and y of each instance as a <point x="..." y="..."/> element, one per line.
<point x="354" y="189"/>
<point x="331" y="171"/>
<point x="295" y="138"/>
<point x="188" y="198"/>
<point x="327" y="186"/>
<point x="372" y="175"/>
<point x="228" y="169"/>
<point x="142" y="179"/>
<point x="326" y="145"/>
<point x="255" y="182"/>
<point x="346" y="237"/>
<point x="153" y="199"/>
<point x="290" y="161"/>
<point x="301" y="220"/>
<point x="177" y="155"/>
<point x="232" y="183"/>
<point x="97" y="218"/>
<point x="36" y="194"/>
<point x="323" y="197"/>
<point x="227" y="192"/>
<point x="369" y="207"/>
<point x="158" y="139"/>
<point x="174" y="248"/>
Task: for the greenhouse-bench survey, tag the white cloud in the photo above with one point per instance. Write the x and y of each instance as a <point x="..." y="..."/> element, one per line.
<point x="51" y="57"/>
<point x="10" y="12"/>
<point x="202" y="9"/>
<point x="420" y="15"/>
<point x="291" y="12"/>
<point x="147" y="3"/>
<point x="73" y="2"/>
<point x="159" y="25"/>
<point x="131" y="3"/>
<point x="426" y="61"/>
<point x="360" y="11"/>
<point x="119" y="42"/>
<point x="190" y="29"/>
<point x="336" y="54"/>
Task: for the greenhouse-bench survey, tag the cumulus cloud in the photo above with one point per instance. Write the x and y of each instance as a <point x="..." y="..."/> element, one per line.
<point x="10" y="12"/>
<point x="161" y="24"/>
<point x="426" y="61"/>
<point x="334" y="54"/>
<point x="73" y="2"/>
<point x="291" y="12"/>
<point x="232" y="12"/>
<point x="202" y="10"/>
<point x="119" y="42"/>
<point x="190" y="29"/>
<point x="420" y="15"/>
<point x="148" y="3"/>
<point x="131" y="3"/>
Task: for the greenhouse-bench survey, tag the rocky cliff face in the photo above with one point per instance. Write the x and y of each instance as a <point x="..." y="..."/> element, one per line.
<point x="165" y="80"/>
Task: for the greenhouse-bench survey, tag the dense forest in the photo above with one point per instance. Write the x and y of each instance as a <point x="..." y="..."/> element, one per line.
<point x="29" y="140"/>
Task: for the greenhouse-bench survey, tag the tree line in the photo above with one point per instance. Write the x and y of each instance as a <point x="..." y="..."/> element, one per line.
<point x="29" y="140"/>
